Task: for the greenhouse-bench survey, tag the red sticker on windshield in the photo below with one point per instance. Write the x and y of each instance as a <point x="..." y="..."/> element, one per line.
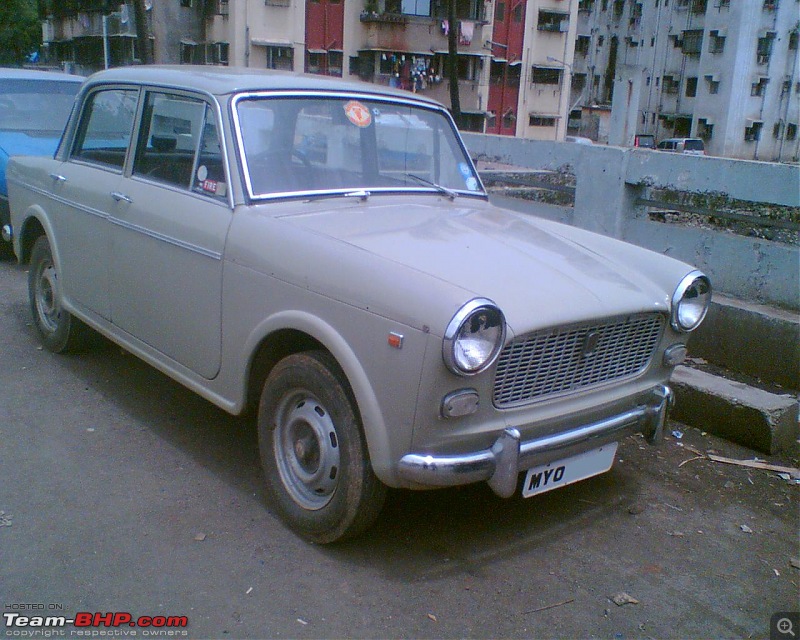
<point x="358" y="114"/>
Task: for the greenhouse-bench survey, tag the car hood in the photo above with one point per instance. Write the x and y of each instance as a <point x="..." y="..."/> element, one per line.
<point x="22" y="143"/>
<point x="540" y="273"/>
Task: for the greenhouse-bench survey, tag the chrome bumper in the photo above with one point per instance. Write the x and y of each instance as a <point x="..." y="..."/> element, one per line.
<point x="501" y="464"/>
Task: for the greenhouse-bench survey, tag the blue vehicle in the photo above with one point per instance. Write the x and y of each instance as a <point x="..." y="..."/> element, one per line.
<point x="34" y="107"/>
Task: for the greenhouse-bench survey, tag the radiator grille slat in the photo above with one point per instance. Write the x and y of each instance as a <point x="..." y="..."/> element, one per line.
<point x="568" y="359"/>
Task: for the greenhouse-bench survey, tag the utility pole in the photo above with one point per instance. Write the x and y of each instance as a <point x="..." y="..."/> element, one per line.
<point x="145" y="54"/>
<point x="452" y="61"/>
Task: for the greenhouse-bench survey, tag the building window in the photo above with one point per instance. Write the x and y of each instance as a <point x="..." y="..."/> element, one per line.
<point x="793" y="38"/>
<point x="705" y="130"/>
<point x="545" y="75"/>
<point x="670" y="84"/>
<point x="585" y="5"/>
<point x="786" y="87"/>
<point x="582" y="45"/>
<point x="716" y="42"/>
<point x="791" y="131"/>
<point x="553" y="21"/>
<point x="600" y="40"/>
<point x="764" y="49"/>
<point x="335" y="63"/>
<point x="753" y="132"/>
<point x="280" y="58"/>
<point x="777" y="129"/>
<point x="691" y="87"/>
<point x="500" y="12"/>
<point x="186" y="3"/>
<point x="619" y="9"/>
<point x="541" y="121"/>
<point x="516" y="13"/>
<point x="188" y="53"/>
<point x="770" y="5"/>
<point x="713" y="84"/>
<point x="416" y="7"/>
<point x="509" y="118"/>
<point x="603" y="5"/>
<point x="692" y="42"/>
<point x="759" y="88"/>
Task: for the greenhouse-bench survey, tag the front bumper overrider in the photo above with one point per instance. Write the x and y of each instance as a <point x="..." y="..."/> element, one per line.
<point x="501" y="464"/>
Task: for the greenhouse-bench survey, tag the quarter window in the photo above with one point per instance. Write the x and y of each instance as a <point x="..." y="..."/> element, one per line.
<point x="104" y="133"/>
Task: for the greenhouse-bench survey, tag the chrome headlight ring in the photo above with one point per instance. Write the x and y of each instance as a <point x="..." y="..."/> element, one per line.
<point x="690" y="302"/>
<point x="474" y="337"/>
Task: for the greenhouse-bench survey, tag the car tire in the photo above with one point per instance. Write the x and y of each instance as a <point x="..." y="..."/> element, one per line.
<point x="313" y="450"/>
<point x="58" y="329"/>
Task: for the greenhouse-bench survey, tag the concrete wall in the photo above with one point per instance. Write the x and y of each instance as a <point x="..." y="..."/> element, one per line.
<point x="610" y="179"/>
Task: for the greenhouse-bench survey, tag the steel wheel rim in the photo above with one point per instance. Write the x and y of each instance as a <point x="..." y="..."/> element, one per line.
<point x="306" y="448"/>
<point x="45" y="296"/>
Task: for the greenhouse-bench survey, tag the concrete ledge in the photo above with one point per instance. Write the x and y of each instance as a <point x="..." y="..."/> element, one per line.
<point x="733" y="410"/>
<point x="762" y="342"/>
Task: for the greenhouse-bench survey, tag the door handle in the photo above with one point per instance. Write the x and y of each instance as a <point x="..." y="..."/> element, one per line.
<point x="57" y="177"/>
<point x="121" y="197"/>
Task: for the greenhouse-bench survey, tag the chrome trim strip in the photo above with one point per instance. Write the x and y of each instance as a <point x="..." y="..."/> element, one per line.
<point x="215" y="255"/>
<point x="507" y="457"/>
<point x="126" y="225"/>
<point x="44" y="192"/>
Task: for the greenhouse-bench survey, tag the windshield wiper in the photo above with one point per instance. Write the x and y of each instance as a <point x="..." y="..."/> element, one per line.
<point x="443" y="190"/>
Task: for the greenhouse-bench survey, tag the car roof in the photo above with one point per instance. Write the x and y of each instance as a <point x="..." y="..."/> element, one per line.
<point x="228" y="80"/>
<point x="8" y="73"/>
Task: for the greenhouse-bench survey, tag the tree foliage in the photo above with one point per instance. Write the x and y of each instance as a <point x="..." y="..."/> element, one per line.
<point x="20" y="30"/>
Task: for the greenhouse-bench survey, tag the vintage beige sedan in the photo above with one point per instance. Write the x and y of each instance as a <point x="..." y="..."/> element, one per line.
<point x="324" y="254"/>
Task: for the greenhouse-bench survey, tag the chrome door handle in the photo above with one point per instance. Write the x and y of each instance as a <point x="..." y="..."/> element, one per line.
<point x="57" y="177"/>
<point x="121" y="197"/>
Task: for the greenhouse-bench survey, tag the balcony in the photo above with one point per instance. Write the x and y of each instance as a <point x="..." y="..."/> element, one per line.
<point x="383" y="18"/>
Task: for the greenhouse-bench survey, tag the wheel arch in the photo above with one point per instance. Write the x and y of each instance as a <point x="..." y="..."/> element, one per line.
<point x="293" y="332"/>
<point x="35" y="225"/>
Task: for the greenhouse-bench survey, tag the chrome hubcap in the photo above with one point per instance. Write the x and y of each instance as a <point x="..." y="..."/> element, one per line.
<point x="306" y="450"/>
<point x="47" y="307"/>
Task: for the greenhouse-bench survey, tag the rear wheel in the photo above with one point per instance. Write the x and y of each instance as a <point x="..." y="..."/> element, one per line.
<point x="313" y="450"/>
<point x="58" y="330"/>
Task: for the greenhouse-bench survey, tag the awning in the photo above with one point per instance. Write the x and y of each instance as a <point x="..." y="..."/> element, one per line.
<point x="555" y="67"/>
<point x="558" y="12"/>
<point x="400" y="51"/>
<point x="538" y="114"/>
<point x="707" y="121"/>
<point x="499" y="60"/>
<point x="474" y="112"/>
<point x="749" y="122"/>
<point x="261" y="42"/>
<point x="515" y="63"/>
<point x="484" y="54"/>
<point x="719" y="33"/>
<point x="322" y="51"/>
<point x="189" y="42"/>
<point x="713" y="77"/>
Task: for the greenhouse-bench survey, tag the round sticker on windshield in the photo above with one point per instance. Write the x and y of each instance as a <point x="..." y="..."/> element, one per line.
<point x="463" y="167"/>
<point x="472" y="184"/>
<point x="358" y="114"/>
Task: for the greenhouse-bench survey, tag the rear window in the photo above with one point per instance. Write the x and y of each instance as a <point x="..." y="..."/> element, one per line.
<point x="694" y="145"/>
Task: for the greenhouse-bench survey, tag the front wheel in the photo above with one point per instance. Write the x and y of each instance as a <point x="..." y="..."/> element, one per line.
<point x="58" y="330"/>
<point x="313" y="450"/>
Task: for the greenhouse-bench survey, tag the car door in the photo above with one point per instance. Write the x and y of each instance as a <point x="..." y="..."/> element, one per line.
<point x="84" y="187"/>
<point x="169" y="232"/>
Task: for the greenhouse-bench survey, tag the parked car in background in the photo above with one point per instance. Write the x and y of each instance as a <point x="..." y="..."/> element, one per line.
<point x="578" y="139"/>
<point x="644" y="141"/>
<point x="323" y="253"/>
<point x="689" y="146"/>
<point x="34" y="107"/>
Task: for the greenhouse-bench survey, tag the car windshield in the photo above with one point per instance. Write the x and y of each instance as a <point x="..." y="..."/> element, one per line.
<point x="693" y="145"/>
<point x="330" y="145"/>
<point x="36" y="105"/>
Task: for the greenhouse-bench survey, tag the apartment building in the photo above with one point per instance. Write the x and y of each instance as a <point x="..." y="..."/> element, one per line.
<point x="727" y="71"/>
<point x="514" y="56"/>
<point x="84" y="36"/>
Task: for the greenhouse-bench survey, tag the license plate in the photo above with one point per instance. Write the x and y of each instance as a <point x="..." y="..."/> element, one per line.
<point x="563" y="472"/>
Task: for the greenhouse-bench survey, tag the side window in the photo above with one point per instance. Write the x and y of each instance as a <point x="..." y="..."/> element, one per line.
<point x="178" y="144"/>
<point x="104" y="133"/>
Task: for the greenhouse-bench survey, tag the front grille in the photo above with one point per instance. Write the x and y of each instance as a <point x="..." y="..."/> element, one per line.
<point x="568" y="359"/>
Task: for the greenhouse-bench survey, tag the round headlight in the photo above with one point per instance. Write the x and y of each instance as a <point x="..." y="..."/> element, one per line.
<point x="690" y="301"/>
<point x="474" y="337"/>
